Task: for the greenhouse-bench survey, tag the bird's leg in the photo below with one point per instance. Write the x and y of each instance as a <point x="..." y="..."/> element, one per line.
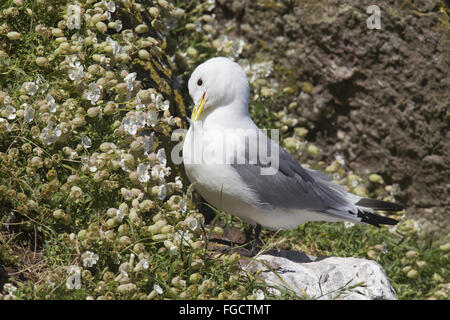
<point x="248" y="234"/>
<point x="255" y="243"/>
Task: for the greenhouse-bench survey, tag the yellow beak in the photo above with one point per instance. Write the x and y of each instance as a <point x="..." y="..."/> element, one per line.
<point x="198" y="108"/>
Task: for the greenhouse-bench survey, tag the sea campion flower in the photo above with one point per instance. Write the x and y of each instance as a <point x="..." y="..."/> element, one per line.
<point x="50" y="135"/>
<point x="93" y="92"/>
<point x="74" y="279"/>
<point x="142" y="171"/>
<point x="129" y="80"/>
<point x="89" y="258"/>
<point x="142" y="264"/>
<point x="183" y="236"/>
<point x="148" y="144"/>
<point x="120" y="213"/>
<point x="76" y="69"/>
<point x="42" y="84"/>
<point x="86" y="142"/>
<point x="51" y="103"/>
<point x="129" y="125"/>
<point x="10" y="288"/>
<point x="259" y="294"/>
<point x="157" y="289"/>
<point x="118" y="25"/>
<point x="74" y="19"/>
<point x="211" y="4"/>
<point x="116" y="48"/>
<point x="161" y="156"/>
<point x="178" y="182"/>
<point x="152" y="117"/>
<point x="183" y="205"/>
<point x="162" y="192"/>
<point x="9" y="112"/>
<point x="29" y="114"/>
<point x="30" y="87"/>
<point x="139" y="104"/>
<point x="109" y="5"/>
<point x="140" y="119"/>
<point x="192" y="223"/>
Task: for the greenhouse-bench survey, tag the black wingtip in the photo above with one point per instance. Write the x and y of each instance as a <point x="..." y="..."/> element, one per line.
<point x="375" y="219"/>
<point x="379" y="205"/>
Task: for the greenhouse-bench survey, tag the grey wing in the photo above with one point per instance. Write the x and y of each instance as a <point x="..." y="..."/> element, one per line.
<point x="294" y="187"/>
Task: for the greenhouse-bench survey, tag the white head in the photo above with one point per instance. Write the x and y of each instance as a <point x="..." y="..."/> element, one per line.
<point x="218" y="82"/>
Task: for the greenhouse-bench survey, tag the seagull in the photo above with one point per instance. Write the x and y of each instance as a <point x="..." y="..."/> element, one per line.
<point x="236" y="168"/>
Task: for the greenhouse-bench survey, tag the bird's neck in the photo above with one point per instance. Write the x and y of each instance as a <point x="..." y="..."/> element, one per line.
<point x="234" y="115"/>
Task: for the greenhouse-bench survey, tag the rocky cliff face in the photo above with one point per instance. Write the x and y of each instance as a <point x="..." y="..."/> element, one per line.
<point x="379" y="97"/>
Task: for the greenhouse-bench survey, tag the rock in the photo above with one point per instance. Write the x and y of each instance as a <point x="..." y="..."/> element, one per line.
<point x="324" y="277"/>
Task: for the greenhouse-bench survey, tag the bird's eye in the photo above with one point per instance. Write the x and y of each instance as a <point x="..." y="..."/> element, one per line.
<point x="199" y="82"/>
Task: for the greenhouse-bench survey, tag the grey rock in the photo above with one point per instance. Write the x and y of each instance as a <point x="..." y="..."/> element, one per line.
<point x="324" y="277"/>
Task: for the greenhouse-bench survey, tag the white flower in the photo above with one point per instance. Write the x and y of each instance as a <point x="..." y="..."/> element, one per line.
<point x="198" y="25"/>
<point x="9" y="288"/>
<point x="211" y="4"/>
<point x="183" y="205"/>
<point x="74" y="280"/>
<point x="148" y="144"/>
<point x="156" y="173"/>
<point x="192" y="223"/>
<point x="123" y="164"/>
<point x="123" y="270"/>
<point x="157" y="288"/>
<point x="120" y="214"/>
<point x="118" y="25"/>
<point x="89" y="258"/>
<point x="259" y="294"/>
<point x="161" y="156"/>
<point x="340" y="159"/>
<point x="185" y="237"/>
<point x="29" y="114"/>
<point x="140" y="118"/>
<point x="152" y="117"/>
<point x="30" y="87"/>
<point x="129" y="80"/>
<point x="139" y="104"/>
<point x="142" y="171"/>
<point x="165" y="105"/>
<point x="116" y="48"/>
<point x="143" y="263"/>
<point x="110" y="5"/>
<point x="9" y="112"/>
<point x="86" y="142"/>
<point x="162" y="192"/>
<point x="93" y="92"/>
<point x="76" y="69"/>
<point x="178" y="182"/>
<point x="42" y="84"/>
<point x="129" y="125"/>
<point x="74" y="19"/>
<point x="51" y="103"/>
<point x="91" y="163"/>
<point x="50" y="135"/>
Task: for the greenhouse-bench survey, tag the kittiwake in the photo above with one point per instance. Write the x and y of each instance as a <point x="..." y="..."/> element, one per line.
<point x="238" y="169"/>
